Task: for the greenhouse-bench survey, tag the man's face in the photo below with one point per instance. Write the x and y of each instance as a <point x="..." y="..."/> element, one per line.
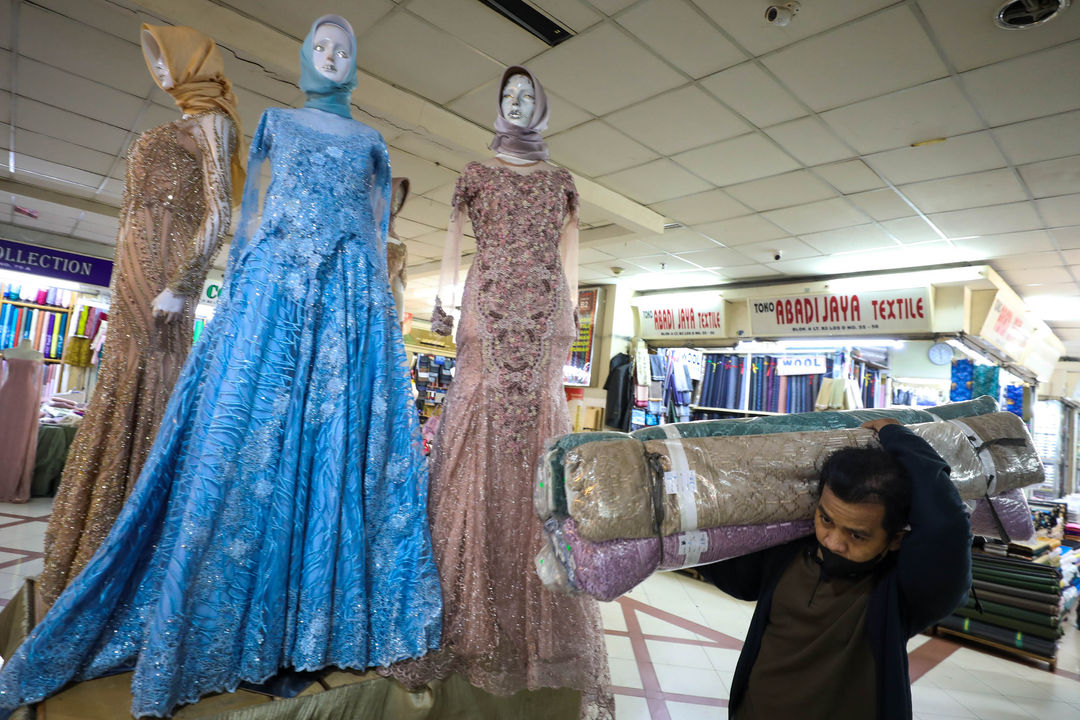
<point x="852" y="530"/>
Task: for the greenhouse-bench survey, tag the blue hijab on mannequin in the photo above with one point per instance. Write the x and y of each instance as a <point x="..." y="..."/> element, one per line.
<point x="324" y="94"/>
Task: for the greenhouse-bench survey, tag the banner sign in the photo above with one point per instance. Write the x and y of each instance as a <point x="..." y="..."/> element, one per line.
<point x="681" y="315"/>
<point x="57" y="264"/>
<point x="863" y="313"/>
<point x="1007" y="327"/>
<point x="578" y="367"/>
<point x="801" y="365"/>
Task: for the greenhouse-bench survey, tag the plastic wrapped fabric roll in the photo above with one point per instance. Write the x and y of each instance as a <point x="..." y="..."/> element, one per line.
<point x="609" y="569"/>
<point x="1002" y="636"/>
<point x="833" y="419"/>
<point x="551" y="571"/>
<point x="1012" y="510"/>
<point x="1006" y="450"/>
<point x="701" y="483"/>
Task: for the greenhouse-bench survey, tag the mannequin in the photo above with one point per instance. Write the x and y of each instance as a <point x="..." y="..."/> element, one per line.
<point x="502" y="630"/>
<point x="20" y="397"/>
<point x="181" y="180"/>
<point x="280" y="521"/>
<point x="396" y="252"/>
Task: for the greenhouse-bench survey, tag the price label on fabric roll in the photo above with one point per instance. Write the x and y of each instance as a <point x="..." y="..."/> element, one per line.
<point x="678" y="483"/>
<point x="693" y="542"/>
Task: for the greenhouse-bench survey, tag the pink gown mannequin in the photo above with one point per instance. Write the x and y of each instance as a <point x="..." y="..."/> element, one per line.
<point x="20" y="399"/>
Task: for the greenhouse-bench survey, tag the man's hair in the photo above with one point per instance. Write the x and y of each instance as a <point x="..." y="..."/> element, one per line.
<point x="869" y="475"/>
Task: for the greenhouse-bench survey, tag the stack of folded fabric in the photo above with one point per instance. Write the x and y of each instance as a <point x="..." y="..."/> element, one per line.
<point x="619" y="507"/>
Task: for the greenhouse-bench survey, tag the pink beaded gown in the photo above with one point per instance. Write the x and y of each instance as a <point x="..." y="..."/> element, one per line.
<point x="501" y="629"/>
<point x="20" y="396"/>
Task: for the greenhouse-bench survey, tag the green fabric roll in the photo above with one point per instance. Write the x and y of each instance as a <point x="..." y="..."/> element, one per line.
<point x="1050" y="620"/>
<point x="52" y="450"/>
<point x="1042" y="607"/>
<point x="1015" y="580"/>
<point x="1035" y="645"/>
<point x="1044" y="596"/>
<point x="1010" y="623"/>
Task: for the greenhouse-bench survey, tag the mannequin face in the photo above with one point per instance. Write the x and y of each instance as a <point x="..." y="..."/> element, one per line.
<point x="330" y="52"/>
<point x="518" y="100"/>
<point x="152" y="53"/>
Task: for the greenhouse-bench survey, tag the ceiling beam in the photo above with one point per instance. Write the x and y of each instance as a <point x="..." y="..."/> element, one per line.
<point x="381" y="100"/>
<point x="43" y="238"/>
<point x="14" y="187"/>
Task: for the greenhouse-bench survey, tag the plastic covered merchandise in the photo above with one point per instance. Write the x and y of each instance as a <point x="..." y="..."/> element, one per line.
<point x="551" y="571"/>
<point x="962" y="376"/>
<point x="609" y="569"/>
<point x="544" y="488"/>
<point x="1012" y="510"/>
<point x="626" y="489"/>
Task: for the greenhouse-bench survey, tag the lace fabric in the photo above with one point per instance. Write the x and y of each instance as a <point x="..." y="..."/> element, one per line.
<point x="280" y="519"/>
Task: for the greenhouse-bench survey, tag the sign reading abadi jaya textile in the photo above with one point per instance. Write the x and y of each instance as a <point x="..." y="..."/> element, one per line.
<point x="679" y="315"/>
<point x="57" y="264"/>
<point x="858" y="313"/>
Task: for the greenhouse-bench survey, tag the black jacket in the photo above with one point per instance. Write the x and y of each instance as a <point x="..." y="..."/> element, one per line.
<point x="620" y="393"/>
<point x="922" y="582"/>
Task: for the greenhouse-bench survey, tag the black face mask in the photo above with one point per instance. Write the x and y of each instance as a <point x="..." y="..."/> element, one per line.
<point x="838" y="566"/>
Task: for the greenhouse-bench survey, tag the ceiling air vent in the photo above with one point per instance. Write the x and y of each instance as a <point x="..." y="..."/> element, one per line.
<point x="1024" y="14"/>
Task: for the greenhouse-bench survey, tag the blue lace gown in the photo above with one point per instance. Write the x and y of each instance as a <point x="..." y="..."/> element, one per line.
<point x="281" y="518"/>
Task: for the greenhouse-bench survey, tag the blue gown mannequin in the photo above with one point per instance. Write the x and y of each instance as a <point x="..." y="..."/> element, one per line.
<point x="281" y="518"/>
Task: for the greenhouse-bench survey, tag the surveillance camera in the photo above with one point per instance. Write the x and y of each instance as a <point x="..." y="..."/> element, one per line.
<point x="780" y="15"/>
<point x="777" y="255"/>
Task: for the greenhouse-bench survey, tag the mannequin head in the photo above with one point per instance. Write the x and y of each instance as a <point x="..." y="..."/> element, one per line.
<point x="398" y="195"/>
<point x="518" y="99"/>
<point x="332" y="51"/>
<point x="155" y="60"/>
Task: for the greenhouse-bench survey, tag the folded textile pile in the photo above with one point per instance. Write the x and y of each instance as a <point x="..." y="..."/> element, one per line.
<point x="619" y="507"/>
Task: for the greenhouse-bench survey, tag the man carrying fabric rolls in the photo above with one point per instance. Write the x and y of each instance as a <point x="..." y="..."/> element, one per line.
<point x="891" y="555"/>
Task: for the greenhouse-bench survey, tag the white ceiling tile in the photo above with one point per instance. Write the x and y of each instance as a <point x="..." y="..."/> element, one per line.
<point x="748" y="272"/>
<point x="480" y="106"/>
<point x="849" y="239"/>
<point x="679" y="120"/>
<point x="592" y="255"/>
<point x="747" y="157"/>
<point x="408" y="229"/>
<point x="993" y="187"/>
<point x="295" y="18"/>
<point x="741" y="230"/>
<point x="683" y="240"/>
<point x="1068" y="289"/>
<point x="429" y="150"/>
<point x="816" y="216"/>
<point x="1060" y="211"/>
<point x="988" y="220"/>
<point x="746" y="20"/>
<point x="573" y="14"/>
<point x="1067" y="238"/>
<point x="956" y="156"/>
<point x="751" y="92"/>
<point x="701" y="208"/>
<point x="631" y="247"/>
<point x="1028" y="261"/>
<point x="481" y="27"/>
<point x="927" y="254"/>
<point x="657" y="181"/>
<point x="591" y="70"/>
<point x="810" y="141"/>
<point x="936" y="109"/>
<point x="431" y="63"/>
<point x="84" y="97"/>
<point x="423" y="174"/>
<point x="610" y="7"/>
<point x="1041" y="139"/>
<point x="596" y="148"/>
<point x="717" y="257"/>
<point x="1053" y="177"/>
<point x="910" y="230"/>
<point x="676" y="30"/>
<point x="74" y="128"/>
<point x="62" y="152"/>
<point x="44" y="173"/>
<point x="794" y="188"/>
<point x="426" y="211"/>
<point x="45" y="223"/>
<point x="1072" y="258"/>
<point x="971" y="39"/>
<point x="789" y="248"/>
<point x="1027" y="87"/>
<point x="1037" y="276"/>
<point x="850" y="176"/>
<point x="879" y="54"/>
<point x="882" y="204"/>
<point x="5" y="69"/>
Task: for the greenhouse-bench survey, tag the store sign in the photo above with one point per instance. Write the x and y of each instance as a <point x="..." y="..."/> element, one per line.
<point x="863" y="313"/>
<point x="56" y="264"/>
<point x="1007" y="327"/>
<point x="682" y="315"/>
<point x="801" y="365"/>
<point x="211" y="292"/>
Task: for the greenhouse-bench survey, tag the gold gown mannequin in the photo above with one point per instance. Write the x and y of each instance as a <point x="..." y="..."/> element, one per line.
<point x="396" y="253"/>
<point x="176" y="211"/>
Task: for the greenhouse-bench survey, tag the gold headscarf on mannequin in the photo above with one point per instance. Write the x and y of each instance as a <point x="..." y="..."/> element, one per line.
<point x="199" y="83"/>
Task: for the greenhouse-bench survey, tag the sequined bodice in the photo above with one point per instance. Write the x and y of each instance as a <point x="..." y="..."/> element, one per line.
<point x="162" y="172"/>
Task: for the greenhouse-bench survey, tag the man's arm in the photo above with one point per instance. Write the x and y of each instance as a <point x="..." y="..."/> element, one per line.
<point x="739" y="577"/>
<point x="934" y="560"/>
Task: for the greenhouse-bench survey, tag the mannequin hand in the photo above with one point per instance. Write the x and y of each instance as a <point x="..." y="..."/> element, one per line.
<point x="168" y="306"/>
<point x="876" y="425"/>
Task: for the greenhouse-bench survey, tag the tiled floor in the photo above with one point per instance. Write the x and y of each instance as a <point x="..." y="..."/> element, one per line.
<point x="673" y="644"/>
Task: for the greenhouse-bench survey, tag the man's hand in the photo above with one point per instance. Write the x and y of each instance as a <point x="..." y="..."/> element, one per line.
<point x="876" y="425"/>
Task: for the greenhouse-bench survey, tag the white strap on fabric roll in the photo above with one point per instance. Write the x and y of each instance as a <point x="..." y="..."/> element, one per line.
<point x="984" y="455"/>
<point x="683" y="482"/>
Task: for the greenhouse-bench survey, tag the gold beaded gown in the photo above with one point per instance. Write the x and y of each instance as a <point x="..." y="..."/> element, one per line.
<point x="175" y="212"/>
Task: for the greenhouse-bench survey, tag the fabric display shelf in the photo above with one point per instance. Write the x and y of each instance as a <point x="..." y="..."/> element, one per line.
<point x="618" y="507"/>
<point x="1017" y="604"/>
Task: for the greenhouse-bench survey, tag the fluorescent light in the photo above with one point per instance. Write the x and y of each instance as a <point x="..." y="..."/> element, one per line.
<point x="204" y="311"/>
<point x="1054" y="308"/>
<point x="39" y="280"/>
<point x="976" y="356"/>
